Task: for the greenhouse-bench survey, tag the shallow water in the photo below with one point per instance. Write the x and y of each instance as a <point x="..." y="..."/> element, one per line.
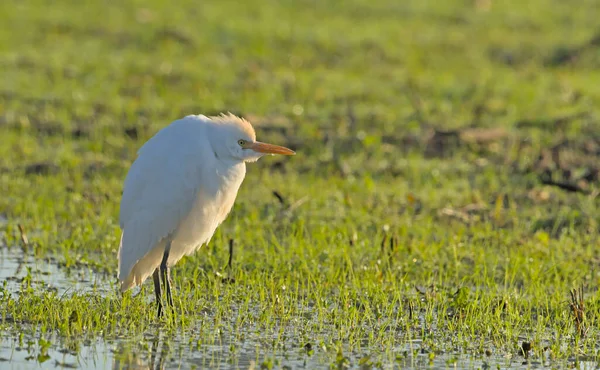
<point x="157" y="351"/>
<point x="17" y="267"/>
<point x="193" y="350"/>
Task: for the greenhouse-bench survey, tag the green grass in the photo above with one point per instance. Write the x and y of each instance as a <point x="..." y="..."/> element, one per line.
<point x="356" y="88"/>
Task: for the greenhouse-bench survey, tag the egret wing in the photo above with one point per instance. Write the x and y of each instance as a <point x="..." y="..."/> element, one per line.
<point x="161" y="187"/>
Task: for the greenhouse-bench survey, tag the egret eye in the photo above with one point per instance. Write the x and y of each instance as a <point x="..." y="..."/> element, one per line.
<point x="242" y="142"/>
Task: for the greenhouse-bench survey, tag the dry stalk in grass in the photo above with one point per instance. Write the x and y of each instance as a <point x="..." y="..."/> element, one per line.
<point x="382" y="251"/>
<point x="24" y="238"/>
<point x="279" y="197"/>
<point x="393" y="242"/>
<point x="577" y="305"/>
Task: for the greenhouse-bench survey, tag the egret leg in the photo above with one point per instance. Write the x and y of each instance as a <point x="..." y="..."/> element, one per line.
<point x="156" y="278"/>
<point x="166" y="274"/>
<point x="170" y="285"/>
<point x="230" y="253"/>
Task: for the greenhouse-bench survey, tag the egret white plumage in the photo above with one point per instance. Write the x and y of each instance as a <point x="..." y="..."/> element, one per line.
<point x="179" y="189"/>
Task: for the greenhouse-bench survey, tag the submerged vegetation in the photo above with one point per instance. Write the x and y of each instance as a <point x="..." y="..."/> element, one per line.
<point x="442" y="206"/>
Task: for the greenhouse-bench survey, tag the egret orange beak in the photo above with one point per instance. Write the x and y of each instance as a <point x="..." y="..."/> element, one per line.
<point x="259" y="147"/>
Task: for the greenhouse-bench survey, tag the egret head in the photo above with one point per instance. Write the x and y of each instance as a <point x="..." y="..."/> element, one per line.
<point x="236" y="139"/>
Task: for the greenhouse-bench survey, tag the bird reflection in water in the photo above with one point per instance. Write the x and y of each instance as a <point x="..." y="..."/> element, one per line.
<point x="129" y="357"/>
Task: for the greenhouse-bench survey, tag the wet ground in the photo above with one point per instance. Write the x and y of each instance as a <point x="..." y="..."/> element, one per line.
<point x="19" y="268"/>
<point x="193" y="350"/>
<point x="163" y="354"/>
<point x="160" y="352"/>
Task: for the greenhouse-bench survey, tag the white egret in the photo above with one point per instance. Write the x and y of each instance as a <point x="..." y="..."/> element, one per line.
<point x="177" y="192"/>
